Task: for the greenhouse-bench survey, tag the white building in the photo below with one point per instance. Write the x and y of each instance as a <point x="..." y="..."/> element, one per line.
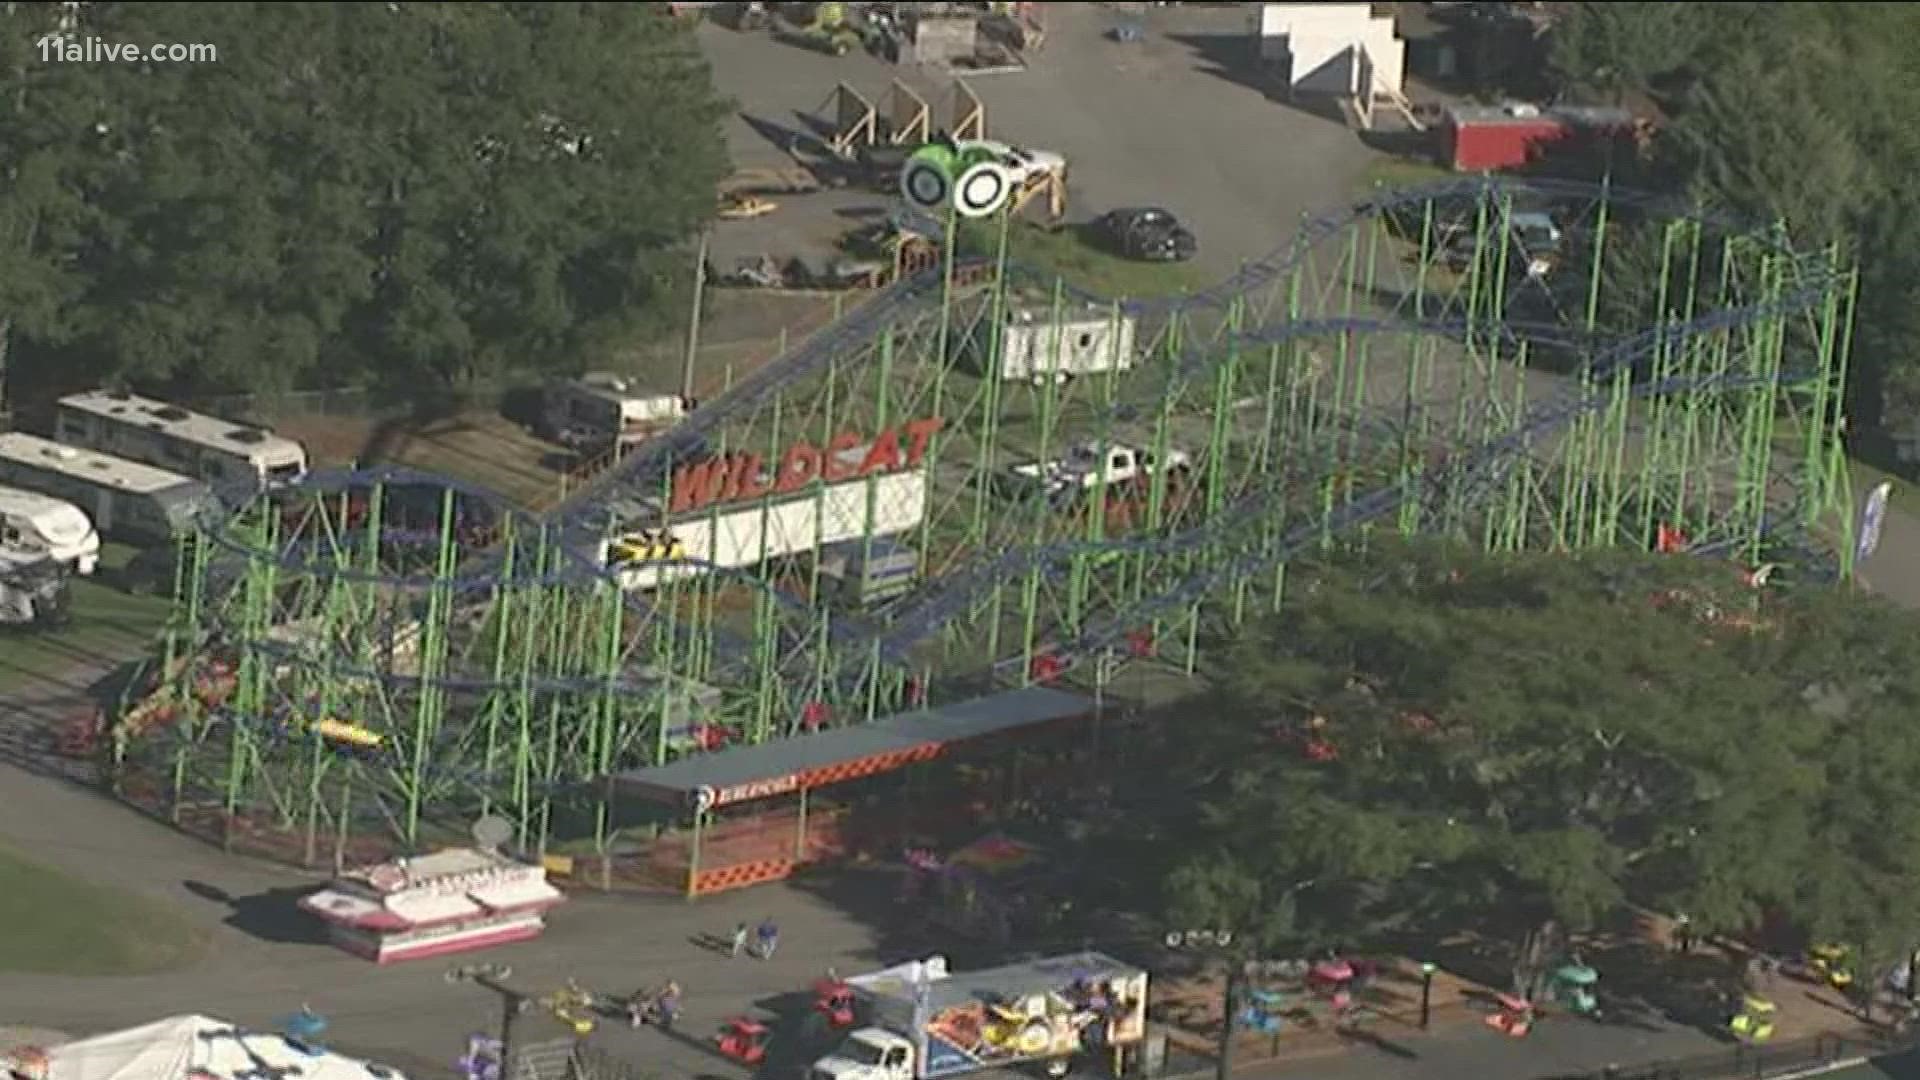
<point x="1334" y="50"/>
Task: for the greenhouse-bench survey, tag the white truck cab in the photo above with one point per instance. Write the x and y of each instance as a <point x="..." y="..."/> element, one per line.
<point x="869" y="1053"/>
<point x="1088" y="465"/>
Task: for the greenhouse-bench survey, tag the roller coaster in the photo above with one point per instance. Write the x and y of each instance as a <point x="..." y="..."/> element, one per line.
<point x="1399" y="365"/>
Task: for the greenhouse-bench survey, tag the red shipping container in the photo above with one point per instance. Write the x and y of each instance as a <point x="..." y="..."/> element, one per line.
<point x="1490" y="139"/>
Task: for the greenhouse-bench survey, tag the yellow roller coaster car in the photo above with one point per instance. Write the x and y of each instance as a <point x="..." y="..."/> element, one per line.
<point x="646" y="547"/>
<point x="352" y="734"/>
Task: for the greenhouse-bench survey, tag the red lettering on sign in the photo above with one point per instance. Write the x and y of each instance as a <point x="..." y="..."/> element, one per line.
<point x="919" y="436"/>
<point x="750" y="479"/>
<point x="842" y="460"/>
<point x="744" y="477"/>
<point x="699" y="484"/>
<point x="884" y="455"/>
<point x="799" y="466"/>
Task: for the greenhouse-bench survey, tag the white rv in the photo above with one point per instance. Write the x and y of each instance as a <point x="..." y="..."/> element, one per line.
<point x="124" y="498"/>
<point x="218" y="452"/>
<point x="602" y="410"/>
<point x="35" y="524"/>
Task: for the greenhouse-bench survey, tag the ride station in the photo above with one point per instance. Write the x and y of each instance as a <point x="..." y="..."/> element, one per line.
<point x="755" y="814"/>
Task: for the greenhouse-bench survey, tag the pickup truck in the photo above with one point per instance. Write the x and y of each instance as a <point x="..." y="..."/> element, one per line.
<point x="1088" y="465"/>
<point x="918" y="1022"/>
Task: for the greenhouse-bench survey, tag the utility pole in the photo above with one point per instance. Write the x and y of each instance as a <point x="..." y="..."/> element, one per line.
<point x="693" y="324"/>
<point x="1219" y="943"/>
<point x="512" y="1003"/>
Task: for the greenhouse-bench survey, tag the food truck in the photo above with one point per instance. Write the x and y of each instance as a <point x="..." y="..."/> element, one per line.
<point x="450" y="901"/>
<point x="919" y="1021"/>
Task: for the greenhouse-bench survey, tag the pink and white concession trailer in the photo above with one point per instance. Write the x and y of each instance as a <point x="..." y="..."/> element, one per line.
<point x="450" y="901"/>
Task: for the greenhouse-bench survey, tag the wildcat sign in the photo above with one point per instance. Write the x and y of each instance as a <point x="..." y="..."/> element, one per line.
<point x="847" y="456"/>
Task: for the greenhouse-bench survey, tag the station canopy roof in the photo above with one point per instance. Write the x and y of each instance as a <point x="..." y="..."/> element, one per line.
<point x="743" y="774"/>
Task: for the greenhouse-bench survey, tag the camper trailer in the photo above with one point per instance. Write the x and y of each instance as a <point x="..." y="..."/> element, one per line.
<point x="124" y="498"/>
<point x="221" y="453"/>
<point x="41" y="526"/>
<point x="600" y="411"/>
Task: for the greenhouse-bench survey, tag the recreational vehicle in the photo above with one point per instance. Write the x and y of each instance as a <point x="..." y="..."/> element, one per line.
<point x="223" y="454"/>
<point x="32" y="524"/>
<point x="125" y="498"/>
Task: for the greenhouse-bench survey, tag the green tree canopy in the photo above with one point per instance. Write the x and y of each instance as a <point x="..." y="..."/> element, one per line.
<point x="411" y="194"/>
<point x="1424" y="738"/>
<point x="1797" y="113"/>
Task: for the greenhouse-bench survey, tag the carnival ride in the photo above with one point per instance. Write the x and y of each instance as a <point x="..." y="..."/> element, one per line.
<point x="1668" y="368"/>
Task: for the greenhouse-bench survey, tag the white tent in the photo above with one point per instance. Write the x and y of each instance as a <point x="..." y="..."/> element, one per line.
<point x="201" y="1048"/>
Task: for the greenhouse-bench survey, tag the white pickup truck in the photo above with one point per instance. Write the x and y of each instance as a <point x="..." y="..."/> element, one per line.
<point x="1088" y="465"/>
<point x="921" y="1023"/>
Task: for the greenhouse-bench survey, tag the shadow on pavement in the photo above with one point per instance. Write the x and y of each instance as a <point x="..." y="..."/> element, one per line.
<point x="271" y="916"/>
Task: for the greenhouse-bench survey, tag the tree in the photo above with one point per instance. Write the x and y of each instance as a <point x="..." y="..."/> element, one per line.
<point x="418" y="195"/>
<point x="1821" y="143"/>
<point x="1427" y="738"/>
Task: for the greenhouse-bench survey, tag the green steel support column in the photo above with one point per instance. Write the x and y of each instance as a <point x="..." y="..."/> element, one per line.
<point x="614" y="626"/>
<point x="1048" y="392"/>
<point x="1219" y="436"/>
<point x="827" y="431"/>
<point x="883" y="418"/>
<point x="766" y="619"/>
<point x="1719" y="360"/>
<point x="506" y="599"/>
<point x="431" y="634"/>
<point x="1651" y="456"/>
<point x="1619" y="414"/>
<point x="250" y="688"/>
<point x="191" y="576"/>
<point x="1412" y="440"/>
<point x="536" y="627"/>
<point x="1582" y="459"/>
<point x="1691" y="404"/>
<point x="1835" y="368"/>
<point x="1816" y="419"/>
<point x="990" y="407"/>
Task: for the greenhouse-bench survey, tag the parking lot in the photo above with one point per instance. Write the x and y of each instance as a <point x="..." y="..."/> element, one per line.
<point x="1167" y="120"/>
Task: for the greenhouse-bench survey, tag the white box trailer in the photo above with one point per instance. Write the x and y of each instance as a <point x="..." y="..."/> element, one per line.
<point x="747" y="534"/>
<point x="1038" y="348"/>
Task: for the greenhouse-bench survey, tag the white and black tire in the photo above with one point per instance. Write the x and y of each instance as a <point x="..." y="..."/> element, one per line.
<point x="982" y="189"/>
<point x="925" y="184"/>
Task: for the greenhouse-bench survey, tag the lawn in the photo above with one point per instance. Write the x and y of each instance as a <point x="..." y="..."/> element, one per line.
<point x="107" y="626"/>
<point x="60" y="925"/>
<point x="1070" y="253"/>
<point x="1400" y="172"/>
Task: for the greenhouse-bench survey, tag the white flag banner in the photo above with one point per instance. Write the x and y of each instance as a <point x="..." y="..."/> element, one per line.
<point x="1872" y="517"/>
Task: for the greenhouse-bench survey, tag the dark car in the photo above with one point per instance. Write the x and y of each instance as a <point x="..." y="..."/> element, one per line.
<point x="1147" y="233"/>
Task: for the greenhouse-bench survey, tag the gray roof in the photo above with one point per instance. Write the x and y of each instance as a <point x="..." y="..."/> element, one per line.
<point x="788" y="763"/>
<point x="1571" y="115"/>
<point x="1007" y="983"/>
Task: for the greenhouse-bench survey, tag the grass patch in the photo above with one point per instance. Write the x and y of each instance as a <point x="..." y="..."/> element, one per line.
<point x="1073" y="253"/>
<point x="1399" y="172"/>
<point x="60" y="925"/>
<point x="107" y="625"/>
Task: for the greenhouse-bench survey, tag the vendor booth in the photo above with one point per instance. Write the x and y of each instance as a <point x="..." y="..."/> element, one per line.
<point x="753" y="813"/>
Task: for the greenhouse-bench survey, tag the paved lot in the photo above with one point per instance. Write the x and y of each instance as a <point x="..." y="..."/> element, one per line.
<point x="1158" y="121"/>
